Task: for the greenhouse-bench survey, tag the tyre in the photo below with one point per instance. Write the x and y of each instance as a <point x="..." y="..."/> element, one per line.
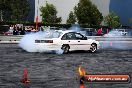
<point x="65" y="49"/>
<point x="93" y="48"/>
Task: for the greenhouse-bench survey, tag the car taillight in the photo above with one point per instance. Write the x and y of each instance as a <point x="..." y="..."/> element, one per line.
<point x="43" y="41"/>
<point x="49" y="41"/>
<point x="37" y="41"/>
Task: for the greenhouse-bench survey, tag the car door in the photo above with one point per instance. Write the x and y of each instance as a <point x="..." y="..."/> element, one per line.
<point x="70" y="39"/>
<point x="83" y="43"/>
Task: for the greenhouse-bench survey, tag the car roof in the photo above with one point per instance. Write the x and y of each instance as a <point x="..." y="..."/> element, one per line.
<point x="67" y="31"/>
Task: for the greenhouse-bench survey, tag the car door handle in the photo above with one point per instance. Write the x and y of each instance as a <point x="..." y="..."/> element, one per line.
<point x="78" y="41"/>
<point x="68" y="41"/>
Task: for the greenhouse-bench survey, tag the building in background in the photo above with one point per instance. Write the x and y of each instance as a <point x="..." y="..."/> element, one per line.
<point x="121" y="7"/>
<point x="65" y="6"/>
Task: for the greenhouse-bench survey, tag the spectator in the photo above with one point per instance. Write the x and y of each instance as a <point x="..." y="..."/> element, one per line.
<point x="99" y="32"/>
<point x="18" y="30"/>
<point x="11" y="27"/>
<point x="15" y="32"/>
<point x="22" y="31"/>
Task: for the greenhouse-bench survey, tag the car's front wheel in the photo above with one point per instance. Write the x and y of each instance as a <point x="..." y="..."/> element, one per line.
<point x="93" y="48"/>
<point x="65" y="49"/>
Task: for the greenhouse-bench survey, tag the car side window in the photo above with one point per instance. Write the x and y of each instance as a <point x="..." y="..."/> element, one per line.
<point x="69" y="36"/>
<point x="79" y="36"/>
<point x="64" y="37"/>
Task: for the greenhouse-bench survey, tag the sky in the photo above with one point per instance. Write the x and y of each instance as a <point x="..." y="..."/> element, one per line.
<point x="65" y="6"/>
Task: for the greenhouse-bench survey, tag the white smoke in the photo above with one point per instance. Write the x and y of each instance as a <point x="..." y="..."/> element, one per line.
<point x="59" y="51"/>
<point x="27" y="43"/>
<point x="77" y="28"/>
<point x="114" y="33"/>
<point x="112" y="40"/>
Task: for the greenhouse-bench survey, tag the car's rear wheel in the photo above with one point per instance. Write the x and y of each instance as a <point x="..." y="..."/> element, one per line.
<point x="65" y="49"/>
<point x="93" y="48"/>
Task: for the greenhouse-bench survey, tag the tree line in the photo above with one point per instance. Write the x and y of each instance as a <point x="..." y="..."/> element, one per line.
<point x="14" y="10"/>
<point x="85" y="12"/>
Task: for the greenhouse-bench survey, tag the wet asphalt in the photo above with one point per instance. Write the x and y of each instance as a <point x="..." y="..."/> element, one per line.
<point x="49" y="70"/>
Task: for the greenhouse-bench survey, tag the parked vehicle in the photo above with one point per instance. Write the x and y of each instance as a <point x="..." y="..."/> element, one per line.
<point x="9" y="32"/>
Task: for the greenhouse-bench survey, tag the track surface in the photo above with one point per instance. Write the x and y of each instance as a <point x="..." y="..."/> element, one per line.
<point x="60" y="71"/>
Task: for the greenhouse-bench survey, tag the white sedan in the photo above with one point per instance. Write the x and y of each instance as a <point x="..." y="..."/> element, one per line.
<point x="67" y="41"/>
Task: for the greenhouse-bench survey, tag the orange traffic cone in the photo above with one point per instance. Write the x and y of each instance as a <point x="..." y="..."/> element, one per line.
<point x="25" y="77"/>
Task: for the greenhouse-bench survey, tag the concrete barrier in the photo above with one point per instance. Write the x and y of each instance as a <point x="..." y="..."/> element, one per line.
<point x="10" y="39"/>
<point x="102" y="38"/>
<point x="16" y="39"/>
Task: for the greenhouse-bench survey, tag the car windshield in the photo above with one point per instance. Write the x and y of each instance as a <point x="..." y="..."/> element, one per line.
<point x="53" y="34"/>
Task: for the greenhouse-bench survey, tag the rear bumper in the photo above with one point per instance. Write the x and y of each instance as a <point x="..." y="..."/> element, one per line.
<point x="48" y="47"/>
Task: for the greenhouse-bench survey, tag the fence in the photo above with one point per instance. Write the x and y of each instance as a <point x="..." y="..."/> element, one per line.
<point x="16" y="39"/>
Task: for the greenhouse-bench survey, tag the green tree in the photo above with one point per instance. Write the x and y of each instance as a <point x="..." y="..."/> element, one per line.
<point x="87" y="13"/>
<point x="20" y="9"/>
<point x="5" y="10"/>
<point x="49" y="14"/>
<point x="72" y="18"/>
<point x="112" y="20"/>
<point x="14" y="10"/>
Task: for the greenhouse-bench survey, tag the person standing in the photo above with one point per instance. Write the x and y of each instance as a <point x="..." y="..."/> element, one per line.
<point x="15" y="32"/>
<point x="100" y="32"/>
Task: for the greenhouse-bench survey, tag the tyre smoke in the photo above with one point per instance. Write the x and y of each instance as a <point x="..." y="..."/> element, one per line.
<point x="77" y="28"/>
<point x="27" y="43"/>
<point x="114" y="40"/>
